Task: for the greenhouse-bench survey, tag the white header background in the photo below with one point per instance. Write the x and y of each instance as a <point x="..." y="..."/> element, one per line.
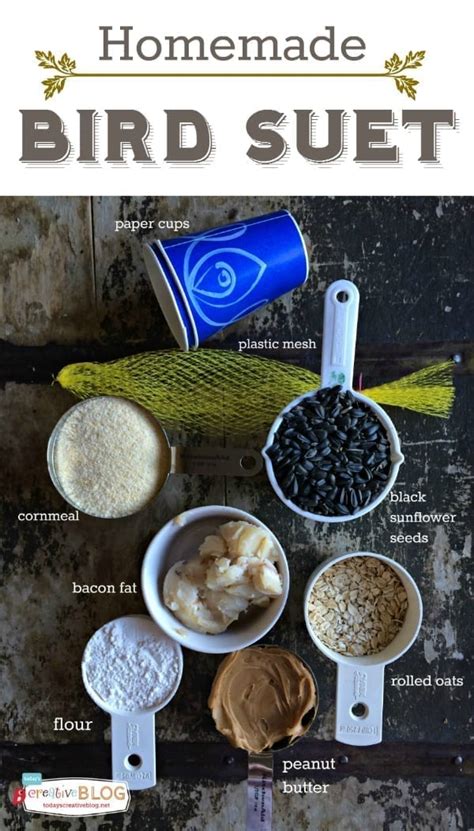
<point x="443" y="30"/>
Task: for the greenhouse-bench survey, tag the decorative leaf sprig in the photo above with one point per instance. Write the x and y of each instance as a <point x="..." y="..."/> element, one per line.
<point x="65" y="66"/>
<point x="396" y="67"/>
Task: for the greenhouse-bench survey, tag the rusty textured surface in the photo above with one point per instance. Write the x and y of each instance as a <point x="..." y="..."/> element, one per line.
<point x="412" y="259"/>
<point x="47" y="290"/>
<point x="393" y="804"/>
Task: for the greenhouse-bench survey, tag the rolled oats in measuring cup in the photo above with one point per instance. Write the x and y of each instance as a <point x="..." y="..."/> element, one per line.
<point x="333" y="455"/>
<point x="109" y="457"/>
<point x="363" y="611"/>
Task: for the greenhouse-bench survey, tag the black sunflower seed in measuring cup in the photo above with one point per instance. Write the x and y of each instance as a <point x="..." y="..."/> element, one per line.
<point x="331" y="454"/>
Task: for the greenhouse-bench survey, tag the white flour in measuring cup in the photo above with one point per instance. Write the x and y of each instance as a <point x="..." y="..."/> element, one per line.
<point x="128" y="672"/>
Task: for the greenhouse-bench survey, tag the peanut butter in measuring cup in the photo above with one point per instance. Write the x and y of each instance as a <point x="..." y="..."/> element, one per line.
<point x="263" y="699"/>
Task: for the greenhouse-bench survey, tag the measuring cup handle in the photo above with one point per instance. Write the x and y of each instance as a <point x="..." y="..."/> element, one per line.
<point x="216" y="461"/>
<point x="341" y="311"/>
<point x="259" y="792"/>
<point x="363" y="686"/>
<point x="133" y="750"/>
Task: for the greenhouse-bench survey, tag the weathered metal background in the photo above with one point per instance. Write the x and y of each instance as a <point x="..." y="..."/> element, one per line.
<point x="72" y="288"/>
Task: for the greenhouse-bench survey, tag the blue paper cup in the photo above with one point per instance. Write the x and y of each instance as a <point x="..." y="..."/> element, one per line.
<point x="206" y="282"/>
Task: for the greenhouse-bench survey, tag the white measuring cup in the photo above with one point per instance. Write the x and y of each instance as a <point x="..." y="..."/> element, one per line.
<point x="341" y="310"/>
<point x="360" y="680"/>
<point x="133" y="732"/>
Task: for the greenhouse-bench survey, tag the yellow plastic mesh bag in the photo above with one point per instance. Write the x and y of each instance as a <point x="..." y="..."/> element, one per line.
<point x="429" y="391"/>
<point x="211" y="390"/>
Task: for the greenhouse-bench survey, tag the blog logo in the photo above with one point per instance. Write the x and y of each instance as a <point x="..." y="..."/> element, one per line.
<point x="74" y="797"/>
<point x="31" y="779"/>
<point x="18" y="796"/>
